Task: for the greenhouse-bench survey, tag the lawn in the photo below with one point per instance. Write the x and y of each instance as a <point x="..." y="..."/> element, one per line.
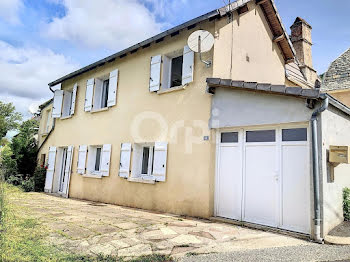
<point x="22" y="238"/>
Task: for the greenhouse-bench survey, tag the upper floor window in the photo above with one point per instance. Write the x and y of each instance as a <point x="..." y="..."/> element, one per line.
<point x="101" y="92"/>
<point x="64" y="102"/>
<point x="171" y="70"/>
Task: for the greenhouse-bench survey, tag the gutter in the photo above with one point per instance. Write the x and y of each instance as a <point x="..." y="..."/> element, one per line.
<point x="316" y="168"/>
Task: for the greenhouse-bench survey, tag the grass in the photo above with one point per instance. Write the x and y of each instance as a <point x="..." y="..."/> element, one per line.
<point x="22" y="238"/>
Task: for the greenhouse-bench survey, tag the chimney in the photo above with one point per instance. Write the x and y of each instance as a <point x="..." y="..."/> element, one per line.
<point x="302" y="42"/>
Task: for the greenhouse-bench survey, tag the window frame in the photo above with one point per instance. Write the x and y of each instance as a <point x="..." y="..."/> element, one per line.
<point x="91" y="160"/>
<point x="166" y="75"/>
<point x="137" y="162"/>
<point x="65" y="112"/>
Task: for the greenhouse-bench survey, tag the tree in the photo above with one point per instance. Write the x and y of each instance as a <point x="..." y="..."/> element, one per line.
<point x="24" y="147"/>
<point x="9" y="118"/>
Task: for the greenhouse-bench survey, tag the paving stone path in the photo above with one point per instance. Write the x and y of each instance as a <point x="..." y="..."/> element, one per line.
<point x="94" y="228"/>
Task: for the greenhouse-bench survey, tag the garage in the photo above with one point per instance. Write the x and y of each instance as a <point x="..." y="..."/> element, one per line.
<point x="263" y="176"/>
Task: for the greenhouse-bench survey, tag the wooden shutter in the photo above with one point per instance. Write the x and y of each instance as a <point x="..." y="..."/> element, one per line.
<point x="159" y="160"/>
<point x="74" y="97"/>
<point x="113" y="87"/>
<point x="57" y="104"/>
<point x="187" y="66"/>
<point x="166" y="74"/>
<point x="125" y="156"/>
<point x="105" y="159"/>
<point x="82" y="159"/>
<point x="154" y="82"/>
<point x="50" y="169"/>
<point x="68" y="171"/>
<point x="89" y="93"/>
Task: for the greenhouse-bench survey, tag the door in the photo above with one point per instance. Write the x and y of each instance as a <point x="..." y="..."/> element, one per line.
<point x="229" y="197"/>
<point x="261" y="177"/>
<point x="63" y="179"/>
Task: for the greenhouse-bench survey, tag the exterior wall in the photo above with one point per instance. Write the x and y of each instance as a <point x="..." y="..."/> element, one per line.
<point x="335" y="131"/>
<point x="342" y="96"/>
<point x="180" y="118"/>
<point x="251" y="40"/>
<point x="232" y="107"/>
<point x="45" y="119"/>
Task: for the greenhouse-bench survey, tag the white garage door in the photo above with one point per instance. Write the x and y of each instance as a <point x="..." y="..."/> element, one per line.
<point x="263" y="177"/>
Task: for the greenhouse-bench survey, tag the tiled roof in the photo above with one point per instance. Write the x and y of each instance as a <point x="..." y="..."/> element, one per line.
<point x="263" y="87"/>
<point x="338" y="75"/>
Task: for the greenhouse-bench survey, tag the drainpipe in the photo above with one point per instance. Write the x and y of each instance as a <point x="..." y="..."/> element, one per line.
<point x="51" y="89"/>
<point x="316" y="169"/>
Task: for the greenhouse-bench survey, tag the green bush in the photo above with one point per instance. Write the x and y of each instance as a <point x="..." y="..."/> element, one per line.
<point x="28" y="184"/>
<point x="346" y="203"/>
<point x="39" y="178"/>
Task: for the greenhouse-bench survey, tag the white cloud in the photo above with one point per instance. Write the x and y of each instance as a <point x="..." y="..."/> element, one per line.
<point x="114" y="24"/>
<point x="9" y="10"/>
<point x="25" y="73"/>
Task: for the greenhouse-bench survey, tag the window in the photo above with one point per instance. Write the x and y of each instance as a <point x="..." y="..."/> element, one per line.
<point x="229" y="137"/>
<point x="98" y="159"/>
<point x="261" y="136"/>
<point x="171" y="70"/>
<point x="101" y="92"/>
<point x="149" y="161"/>
<point x="64" y="102"/>
<point x="147" y="157"/>
<point x="48" y="121"/>
<point x="176" y="71"/>
<point x="67" y="102"/>
<point x="294" y="134"/>
<point x="105" y="93"/>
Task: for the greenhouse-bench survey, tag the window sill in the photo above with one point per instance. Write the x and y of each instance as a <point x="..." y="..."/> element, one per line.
<point x="92" y="176"/>
<point x="140" y="180"/>
<point x="99" y="110"/>
<point x="66" y="117"/>
<point x="172" y="89"/>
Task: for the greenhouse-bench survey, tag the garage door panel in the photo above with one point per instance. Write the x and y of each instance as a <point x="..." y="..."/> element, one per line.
<point x="260" y="184"/>
<point x="230" y="183"/>
<point x="295" y="188"/>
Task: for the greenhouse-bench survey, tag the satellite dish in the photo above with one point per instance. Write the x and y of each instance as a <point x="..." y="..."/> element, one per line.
<point x="200" y="41"/>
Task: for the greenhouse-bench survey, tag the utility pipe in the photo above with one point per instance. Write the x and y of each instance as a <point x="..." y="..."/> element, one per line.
<point x="316" y="169"/>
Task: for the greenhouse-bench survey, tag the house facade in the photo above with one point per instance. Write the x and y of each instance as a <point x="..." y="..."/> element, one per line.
<point x="154" y="127"/>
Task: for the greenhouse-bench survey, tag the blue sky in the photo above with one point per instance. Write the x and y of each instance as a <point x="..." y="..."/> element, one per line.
<point x="41" y="40"/>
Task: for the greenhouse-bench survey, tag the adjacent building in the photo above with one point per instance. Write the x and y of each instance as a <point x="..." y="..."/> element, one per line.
<point x="244" y="135"/>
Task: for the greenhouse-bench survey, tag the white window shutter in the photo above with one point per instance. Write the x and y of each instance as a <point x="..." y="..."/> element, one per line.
<point x="106" y="159"/>
<point x="125" y="156"/>
<point x="112" y="89"/>
<point x="74" y="97"/>
<point x="82" y="159"/>
<point x="166" y="68"/>
<point x="187" y="66"/>
<point x="57" y="104"/>
<point x="50" y="169"/>
<point x="154" y="81"/>
<point x="159" y="160"/>
<point x="68" y="170"/>
<point x="89" y="93"/>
